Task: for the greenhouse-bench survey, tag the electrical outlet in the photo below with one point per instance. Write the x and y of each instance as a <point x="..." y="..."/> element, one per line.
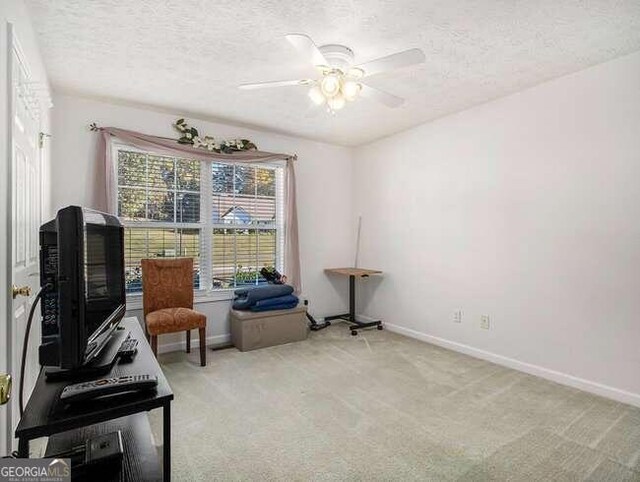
<point x="484" y="322"/>
<point x="457" y="316"/>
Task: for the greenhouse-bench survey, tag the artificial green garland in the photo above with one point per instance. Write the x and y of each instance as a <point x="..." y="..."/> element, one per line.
<point x="190" y="136"/>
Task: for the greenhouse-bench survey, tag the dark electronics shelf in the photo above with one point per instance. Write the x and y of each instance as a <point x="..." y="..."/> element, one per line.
<point x="46" y="416"/>
<point x="141" y="461"/>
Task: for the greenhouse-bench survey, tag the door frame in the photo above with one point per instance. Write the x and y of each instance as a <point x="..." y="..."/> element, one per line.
<point x="5" y="255"/>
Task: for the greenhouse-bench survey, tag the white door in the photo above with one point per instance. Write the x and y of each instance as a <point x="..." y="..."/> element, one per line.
<point x="26" y="216"/>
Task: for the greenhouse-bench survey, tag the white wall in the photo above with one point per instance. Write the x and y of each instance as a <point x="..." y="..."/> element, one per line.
<point x="323" y="181"/>
<point x="527" y="209"/>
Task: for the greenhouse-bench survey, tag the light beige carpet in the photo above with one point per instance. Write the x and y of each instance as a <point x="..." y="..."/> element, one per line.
<point x="381" y="406"/>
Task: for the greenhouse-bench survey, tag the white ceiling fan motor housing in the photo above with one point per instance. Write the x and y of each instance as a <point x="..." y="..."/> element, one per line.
<point x="338" y="56"/>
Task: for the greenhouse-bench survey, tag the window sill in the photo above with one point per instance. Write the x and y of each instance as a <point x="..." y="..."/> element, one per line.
<point x="134" y="302"/>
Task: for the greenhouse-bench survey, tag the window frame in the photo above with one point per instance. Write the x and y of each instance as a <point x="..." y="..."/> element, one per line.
<point x="206" y="224"/>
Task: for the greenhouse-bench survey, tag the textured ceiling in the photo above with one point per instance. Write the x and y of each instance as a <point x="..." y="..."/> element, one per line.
<point x="190" y="55"/>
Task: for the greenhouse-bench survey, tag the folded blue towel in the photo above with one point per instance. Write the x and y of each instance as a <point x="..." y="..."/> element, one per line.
<point x="247" y="297"/>
<point x="281" y="306"/>
<point x="280" y="300"/>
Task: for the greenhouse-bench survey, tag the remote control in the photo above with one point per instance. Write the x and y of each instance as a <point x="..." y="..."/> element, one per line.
<point x="107" y="386"/>
<point x="128" y="349"/>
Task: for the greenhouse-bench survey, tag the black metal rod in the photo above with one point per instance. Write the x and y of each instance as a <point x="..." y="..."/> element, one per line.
<point x="368" y="324"/>
<point x="23" y="448"/>
<point x="352" y="298"/>
<point x="344" y="316"/>
<point x="166" y="442"/>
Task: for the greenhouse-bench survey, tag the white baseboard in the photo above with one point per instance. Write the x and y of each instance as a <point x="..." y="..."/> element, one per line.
<point x="195" y="343"/>
<point x="555" y="376"/>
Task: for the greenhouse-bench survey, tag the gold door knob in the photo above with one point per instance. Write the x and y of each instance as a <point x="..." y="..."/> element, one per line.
<point x="5" y="388"/>
<point x="22" y="291"/>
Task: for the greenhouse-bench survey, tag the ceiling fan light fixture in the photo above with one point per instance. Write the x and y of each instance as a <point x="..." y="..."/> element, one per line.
<point x="330" y="85"/>
<point x="340" y="79"/>
<point x="351" y="89"/>
<point x="337" y="102"/>
<point x="316" y="95"/>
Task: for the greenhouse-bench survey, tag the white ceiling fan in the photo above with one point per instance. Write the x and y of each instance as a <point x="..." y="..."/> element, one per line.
<point x="340" y="80"/>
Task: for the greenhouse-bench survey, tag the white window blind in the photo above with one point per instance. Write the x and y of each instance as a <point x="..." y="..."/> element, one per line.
<point x="229" y="218"/>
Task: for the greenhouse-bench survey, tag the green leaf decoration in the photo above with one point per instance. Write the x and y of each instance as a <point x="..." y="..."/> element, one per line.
<point x="188" y="134"/>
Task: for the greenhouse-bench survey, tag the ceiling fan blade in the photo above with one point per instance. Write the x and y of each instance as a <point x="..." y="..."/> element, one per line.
<point x="381" y="96"/>
<point x="274" y="83"/>
<point x="392" y="62"/>
<point x="307" y="48"/>
<point x="313" y="111"/>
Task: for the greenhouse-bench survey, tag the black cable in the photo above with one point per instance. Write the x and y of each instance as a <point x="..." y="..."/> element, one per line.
<point x="25" y="345"/>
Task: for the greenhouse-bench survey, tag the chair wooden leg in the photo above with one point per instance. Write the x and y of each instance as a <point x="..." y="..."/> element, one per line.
<point x="188" y="341"/>
<point x="203" y="346"/>
<point x="154" y="345"/>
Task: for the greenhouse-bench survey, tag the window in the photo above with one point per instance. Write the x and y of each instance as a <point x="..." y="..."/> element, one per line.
<point x="228" y="218"/>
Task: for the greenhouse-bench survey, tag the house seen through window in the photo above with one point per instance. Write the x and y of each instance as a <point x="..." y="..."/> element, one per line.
<point x="227" y="217"/>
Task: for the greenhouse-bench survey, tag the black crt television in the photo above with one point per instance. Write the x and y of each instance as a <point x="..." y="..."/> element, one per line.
<point x="82" y="276"/>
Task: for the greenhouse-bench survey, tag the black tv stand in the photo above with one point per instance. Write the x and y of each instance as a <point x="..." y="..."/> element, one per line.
<point x="100" y="365"/>
<point x="68" y="426"/>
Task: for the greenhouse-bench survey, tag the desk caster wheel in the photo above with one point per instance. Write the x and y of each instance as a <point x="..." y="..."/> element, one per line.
<point x="354" y="332"/>
<point x="379" y="327"/>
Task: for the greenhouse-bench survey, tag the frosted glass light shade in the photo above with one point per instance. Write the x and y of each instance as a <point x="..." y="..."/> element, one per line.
<point x="351" y="89"/>
<point x="330" y="85"/>
<point x="315" y="94"/>
<point x="337" y="102"/>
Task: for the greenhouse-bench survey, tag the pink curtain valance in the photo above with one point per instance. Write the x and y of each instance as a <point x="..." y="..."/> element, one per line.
<point x="105" y="192"/>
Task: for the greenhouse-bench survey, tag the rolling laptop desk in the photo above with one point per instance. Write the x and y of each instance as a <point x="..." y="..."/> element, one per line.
<point x="350" y="317"/>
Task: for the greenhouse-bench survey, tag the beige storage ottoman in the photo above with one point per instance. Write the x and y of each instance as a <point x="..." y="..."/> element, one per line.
<point x="252" y="330"/>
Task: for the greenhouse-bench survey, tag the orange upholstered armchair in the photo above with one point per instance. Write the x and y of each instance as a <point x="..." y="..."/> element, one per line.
<point x="167" y="297"/>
